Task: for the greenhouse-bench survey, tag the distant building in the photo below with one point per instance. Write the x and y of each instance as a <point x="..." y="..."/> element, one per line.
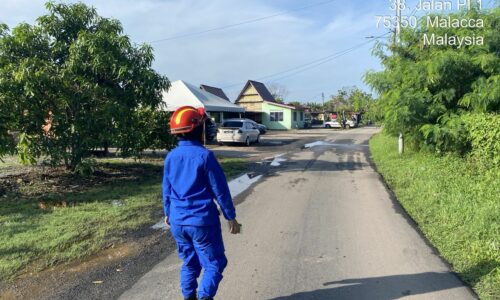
<point x="261" y="107"/>
<point x="215" y="91"/>
<point x="182" y="93"/>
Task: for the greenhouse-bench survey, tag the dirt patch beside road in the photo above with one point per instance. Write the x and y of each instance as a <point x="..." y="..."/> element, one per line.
<point x="103" y="276"/>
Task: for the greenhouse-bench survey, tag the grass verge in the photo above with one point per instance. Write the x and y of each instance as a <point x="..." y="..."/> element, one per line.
<point x="43" y="225"/>
<point x="455" y="204"/>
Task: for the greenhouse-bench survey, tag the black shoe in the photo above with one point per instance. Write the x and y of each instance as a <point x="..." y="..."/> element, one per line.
<point x="207" y="298"/>
<point x="192" y="297"/>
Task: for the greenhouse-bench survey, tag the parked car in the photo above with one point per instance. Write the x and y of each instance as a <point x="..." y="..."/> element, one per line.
<point x="332" y="124"/>
<point x="351" y="124"/>
<point x="238" y="131"/>
<point x="262" y="128"/>
<point x="210" y="130"/>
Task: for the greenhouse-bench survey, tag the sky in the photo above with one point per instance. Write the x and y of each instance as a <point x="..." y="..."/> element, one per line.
<point x="301" y="32"/>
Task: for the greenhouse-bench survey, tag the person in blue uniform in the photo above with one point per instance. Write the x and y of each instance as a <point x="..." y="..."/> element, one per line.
<point x="192" y="180"/>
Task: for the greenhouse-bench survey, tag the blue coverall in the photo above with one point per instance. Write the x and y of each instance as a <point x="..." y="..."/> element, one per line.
<point x="192" y="179"/>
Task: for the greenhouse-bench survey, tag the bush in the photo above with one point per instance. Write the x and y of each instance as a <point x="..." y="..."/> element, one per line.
<point x="425" y="90"/>
<point x="86" y="167"/>
<point x="484" y="136"/>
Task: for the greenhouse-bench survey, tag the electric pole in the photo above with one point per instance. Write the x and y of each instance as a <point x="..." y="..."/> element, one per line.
<point x="398" y="21"/>
<point x="396" y="41"/>
<point x="323" y="99"/>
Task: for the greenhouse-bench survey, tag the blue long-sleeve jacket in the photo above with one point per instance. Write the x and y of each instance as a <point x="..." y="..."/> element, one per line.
<point x="192" y="179"/>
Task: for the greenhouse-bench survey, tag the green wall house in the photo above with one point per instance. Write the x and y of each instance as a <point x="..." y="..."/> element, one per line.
<point x="281" y="117"/>
<point x="261" y="107"/>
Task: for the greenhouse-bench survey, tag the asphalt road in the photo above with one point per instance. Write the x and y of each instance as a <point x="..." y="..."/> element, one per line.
<point x="323" y="226"/>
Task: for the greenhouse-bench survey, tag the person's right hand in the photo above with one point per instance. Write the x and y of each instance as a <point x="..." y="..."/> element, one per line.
<point x="234" y="226"/>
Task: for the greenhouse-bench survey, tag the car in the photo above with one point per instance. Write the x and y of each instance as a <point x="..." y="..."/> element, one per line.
<point x="351" y="124"/>
<point x="332" y="124"/>
<point x="262" y="128"/>
<point x="238" y="131"/>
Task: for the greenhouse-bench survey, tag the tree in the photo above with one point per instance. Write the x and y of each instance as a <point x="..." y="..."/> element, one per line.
<point x="279" y="92"/>
<point x="349" y="99"/>
<point x="314" y="107"/>
<point x="78" y="71"/>
<point x="360" y="100"/>
<point x="425" y="89"/>
<point x="295" y="103"/>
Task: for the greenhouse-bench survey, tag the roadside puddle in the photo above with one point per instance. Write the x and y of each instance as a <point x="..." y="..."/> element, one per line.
<point x="323" y="143"/>
<point x="317" y="143"/>
<point x="276" y="160"/>
<point x="241" y="184"/>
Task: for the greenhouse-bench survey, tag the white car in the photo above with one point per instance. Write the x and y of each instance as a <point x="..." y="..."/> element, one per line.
<point x="238" y="131"/>
<point x="332" y="124"/>
<point x="351" y="124"/>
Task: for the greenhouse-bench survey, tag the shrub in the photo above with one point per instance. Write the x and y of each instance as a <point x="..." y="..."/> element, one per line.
<point x="484" y="136"/>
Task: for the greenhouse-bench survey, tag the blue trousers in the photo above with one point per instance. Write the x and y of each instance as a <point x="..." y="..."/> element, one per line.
<point x="200" y="247"/>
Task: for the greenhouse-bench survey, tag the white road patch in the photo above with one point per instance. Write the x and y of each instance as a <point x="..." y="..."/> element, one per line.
<point x="277" y="162"/>
<point x="236" y="187"/>
<point x="323" y="143"/>
<point x="276" y="156"/>
<point x="240" y="184"/>
<point x="317" y="143"/>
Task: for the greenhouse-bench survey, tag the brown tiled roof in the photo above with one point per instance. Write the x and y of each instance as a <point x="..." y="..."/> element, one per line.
<point x="261" y="90"/>
<point x="215" y="91"/>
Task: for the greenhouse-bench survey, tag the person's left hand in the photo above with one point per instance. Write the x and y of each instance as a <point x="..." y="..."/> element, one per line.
<point x="167" y="223"/>
<point x="234" y="226"/>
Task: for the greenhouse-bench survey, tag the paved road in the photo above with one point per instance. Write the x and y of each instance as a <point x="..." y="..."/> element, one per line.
<point x="322" y="227"/>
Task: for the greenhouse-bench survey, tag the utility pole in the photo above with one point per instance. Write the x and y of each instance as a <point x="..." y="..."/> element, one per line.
<point x="324" y="114"/>
<point x="398" y="20"/>
<point x="396" y="41"/>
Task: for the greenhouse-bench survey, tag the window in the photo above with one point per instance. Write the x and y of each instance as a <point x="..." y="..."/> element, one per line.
<point x="234" y="124"/>
<point x="295" y="116"/>
<point x="302" y="116"/>
<point x="276" y="116"/>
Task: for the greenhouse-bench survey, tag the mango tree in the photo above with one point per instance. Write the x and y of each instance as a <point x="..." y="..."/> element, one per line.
<point x="74" y="82"/>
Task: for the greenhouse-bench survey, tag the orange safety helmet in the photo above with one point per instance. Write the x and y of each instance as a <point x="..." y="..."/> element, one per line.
<point x="186" y="118"/>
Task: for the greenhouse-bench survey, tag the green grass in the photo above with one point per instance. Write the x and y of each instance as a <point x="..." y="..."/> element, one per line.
<point x="233" y="166"/>
<point x="8" y="161"/>
<point x="32" y="239"/>
<point x="456" y="205"/>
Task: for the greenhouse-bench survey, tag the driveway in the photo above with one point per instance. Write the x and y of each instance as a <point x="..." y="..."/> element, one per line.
<point x="321" y="226"/>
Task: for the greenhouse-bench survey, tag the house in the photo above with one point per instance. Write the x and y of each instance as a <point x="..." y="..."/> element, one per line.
<point x="261" y="107"/>
<point x="214" y="90"/>
<point x="182" y="93"/>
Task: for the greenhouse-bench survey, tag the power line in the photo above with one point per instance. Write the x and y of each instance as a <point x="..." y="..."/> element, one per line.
<point x="412" y="13"/>
<point x="184" y="35"/>
<point x="342" y="53"/>
<point x="314" y="63"/>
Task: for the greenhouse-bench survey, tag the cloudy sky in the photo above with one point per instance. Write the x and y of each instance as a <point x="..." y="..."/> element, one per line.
<point x="290" y="34"/>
